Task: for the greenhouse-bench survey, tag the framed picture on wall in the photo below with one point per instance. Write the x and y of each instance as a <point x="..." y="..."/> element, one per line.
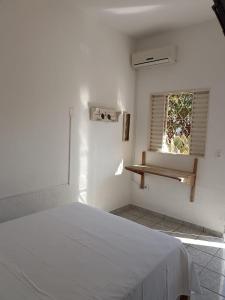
<point x="126" y="127"/>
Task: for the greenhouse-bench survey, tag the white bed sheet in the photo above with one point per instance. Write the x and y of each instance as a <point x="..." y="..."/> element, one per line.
<point x="76" y="252"/>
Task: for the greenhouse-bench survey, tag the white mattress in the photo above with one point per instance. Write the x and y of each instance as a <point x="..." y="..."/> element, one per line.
<point x="76" y="252"/>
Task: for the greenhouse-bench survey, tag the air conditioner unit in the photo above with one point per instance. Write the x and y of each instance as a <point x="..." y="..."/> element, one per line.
<point x="154" y="57"/>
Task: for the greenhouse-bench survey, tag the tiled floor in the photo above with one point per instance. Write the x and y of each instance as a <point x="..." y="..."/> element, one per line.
<point x="207" y="252"/>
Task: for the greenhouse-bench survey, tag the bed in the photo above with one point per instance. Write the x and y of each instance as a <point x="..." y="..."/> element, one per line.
<point x="76" y="252"/>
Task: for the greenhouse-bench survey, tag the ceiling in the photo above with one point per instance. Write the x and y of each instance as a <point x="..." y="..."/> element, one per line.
<point x="141" y="17"/>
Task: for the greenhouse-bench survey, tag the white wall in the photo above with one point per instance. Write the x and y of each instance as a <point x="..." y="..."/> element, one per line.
<point x="201" y="64"/>
<point x="53" y="57"/>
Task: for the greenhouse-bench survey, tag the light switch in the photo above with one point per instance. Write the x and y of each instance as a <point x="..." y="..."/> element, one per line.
<point x="219" y="153"/>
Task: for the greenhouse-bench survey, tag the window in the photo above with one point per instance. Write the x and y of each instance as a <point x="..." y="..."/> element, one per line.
<point x="179" y="122"/>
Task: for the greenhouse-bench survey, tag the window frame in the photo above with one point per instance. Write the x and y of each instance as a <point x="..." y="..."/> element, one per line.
<point x="165" y="94"/>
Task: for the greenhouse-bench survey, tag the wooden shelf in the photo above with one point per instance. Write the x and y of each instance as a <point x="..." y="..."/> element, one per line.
<point x="181" y="176"/>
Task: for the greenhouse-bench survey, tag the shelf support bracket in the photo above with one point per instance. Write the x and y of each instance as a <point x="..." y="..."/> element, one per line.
<point x="195" y="168"/>
<point x="143" y="162"/>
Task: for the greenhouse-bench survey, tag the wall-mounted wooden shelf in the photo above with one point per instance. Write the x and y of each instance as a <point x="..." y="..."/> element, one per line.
<point x="181" y="176"/>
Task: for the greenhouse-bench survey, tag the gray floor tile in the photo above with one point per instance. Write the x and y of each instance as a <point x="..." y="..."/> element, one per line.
<point x="190" y="230"/>
<point x="128" y="216"/>
<point x="207" y="295"/>
<point x="152" y="219"/>
<point x="217" y="265"/>
<point x="166" y="225"/>
<point x="213" y="281"/>
<point x="211" y="239"/>
<point x="199" y="257"/>
<point x="174" y="220"/>
<point x="184" y="235"/>
<point x="221" y="253"/>
<point x="208" y="261"/>
<point x="116" y="213"/>
<point x="206" y="249"/>
<point x="198" y="268"/>
<point x="146" y="222"/>
<point x="136" y="212"/>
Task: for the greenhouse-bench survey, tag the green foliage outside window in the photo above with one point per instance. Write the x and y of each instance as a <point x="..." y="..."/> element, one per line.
<point x="178" y="123"/>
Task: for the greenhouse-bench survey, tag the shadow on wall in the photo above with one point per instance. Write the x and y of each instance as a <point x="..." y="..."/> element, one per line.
<point x="99" y="178"/>
<point x="94" y="177"/>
